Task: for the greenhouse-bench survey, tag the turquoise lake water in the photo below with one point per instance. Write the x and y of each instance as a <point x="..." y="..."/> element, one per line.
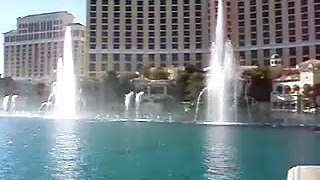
<point x="51" y="149"/>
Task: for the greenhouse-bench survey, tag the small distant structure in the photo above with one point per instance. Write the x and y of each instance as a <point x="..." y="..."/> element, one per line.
<point x="295" y="89"/>
<point x="275" y="60"/>
<point x="153" y="86"/>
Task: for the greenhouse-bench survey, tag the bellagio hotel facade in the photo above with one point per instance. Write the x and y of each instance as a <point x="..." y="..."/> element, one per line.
<point x="32" y="50"/>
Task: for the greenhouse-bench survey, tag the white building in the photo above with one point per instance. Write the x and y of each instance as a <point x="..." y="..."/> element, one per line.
<point x="288" y="89"/>
<point x="32" y="50"/>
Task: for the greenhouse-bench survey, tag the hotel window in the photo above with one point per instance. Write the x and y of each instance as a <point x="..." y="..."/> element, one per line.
<point x="292" y="39"/>
<point x="291" y="11"/>
<point x="104" y="57"/>
<point x="139" y="66"/>
<point x="318" y="49"/>
<point x="92" y="46"/>
<point x="293" y="62"/>
<point x="174" y="46"/>
<point x="92" y="67"/>
<point x="305" y="37"/>
<point x="151" y="46"/>
<point x="116" y="67"/>
<point x="116" y="57"/>
<point x="93" y="8"/>
<point x="174" y="57"/>
<point x="139" y="46"/>
<point x="266" y="53"/>
<point x="292" y="32"/>
<point x="279" y="51"/>
<point x="292" y="51"/>
<point x="318" y="52"/>
<point x="254" y="62"/>
<point x="290" y="4"/>
<point x="186" y="57"/>
<point x="292" y="25"/>
<point x="104" y="67"/>
<point x="128" y="66"/>
<point x="163" y="46"/>
<point x="92" y="57"/>
<point x="127" y="46"/>
<point x="305" y="50"/>
<point x="304" y="9"/>
<point x="139" y="57"/>
<point x="140" y="3"/>
<point x="198" y="57"/>
<point x="304" y="23"/>
<point x="163" y="57"/>
<point x="128" y="57"/>
<point x="253" y="54"/>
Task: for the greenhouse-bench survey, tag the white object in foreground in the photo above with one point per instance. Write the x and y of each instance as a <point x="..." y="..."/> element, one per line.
<point x="304" y="173"/>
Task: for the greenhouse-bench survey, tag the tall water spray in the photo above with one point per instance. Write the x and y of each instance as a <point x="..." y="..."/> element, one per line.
<point x="65" y="87"/>
<point x="128" y="101"/>
<point x="222" y="75"/>
<point x="5" y="103"/>
<point x="138" y="102"/>
<point x="14" y="103"/>
<point x="196" y="116"/>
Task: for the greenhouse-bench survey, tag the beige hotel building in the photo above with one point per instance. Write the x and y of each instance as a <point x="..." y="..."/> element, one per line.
<point x="290" y="28"/>
<point x="125" y="35"/>
<point x="32" y="50"/>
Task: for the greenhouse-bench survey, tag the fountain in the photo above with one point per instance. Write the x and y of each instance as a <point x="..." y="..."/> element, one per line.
<point x="198" y="103"/>
<point x="138" y="102"/>
<point x="61" y="102"/>
<point x="222" y="76"/>
<point x="14" y="103"/>
<point x="128" y="101"/>
<point x="5" y="103"/>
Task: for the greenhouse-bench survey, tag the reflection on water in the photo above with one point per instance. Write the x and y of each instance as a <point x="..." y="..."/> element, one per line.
<point x="6" y="145"/>
<point x="49" y="149"/>
<point x="64" y="155"/>
<point x="219" y="155"/>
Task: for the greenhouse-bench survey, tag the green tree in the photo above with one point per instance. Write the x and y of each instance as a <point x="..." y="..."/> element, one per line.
<point x="195" y="85"/>
<point x="190" y="68"/>
<point x="125" y="85"/>
<point x="158" y="74"/>
<point x="145" y="71"/>
<point x="262" y="71"/>
<point x="40" y="89"/>
<point x="181" y="86"/>
<point x="261" y="85"/>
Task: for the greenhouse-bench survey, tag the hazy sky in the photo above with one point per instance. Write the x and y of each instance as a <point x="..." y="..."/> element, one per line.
<point x="10" y="10"/>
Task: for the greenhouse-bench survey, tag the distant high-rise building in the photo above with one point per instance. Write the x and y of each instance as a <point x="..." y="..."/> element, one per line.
<point x="289" y="28"/>
<point x="125" y="35"/>
<point x="32" y="50"/>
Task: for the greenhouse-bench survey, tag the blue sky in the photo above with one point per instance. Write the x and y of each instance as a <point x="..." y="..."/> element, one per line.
<point x="10" y="10"/>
